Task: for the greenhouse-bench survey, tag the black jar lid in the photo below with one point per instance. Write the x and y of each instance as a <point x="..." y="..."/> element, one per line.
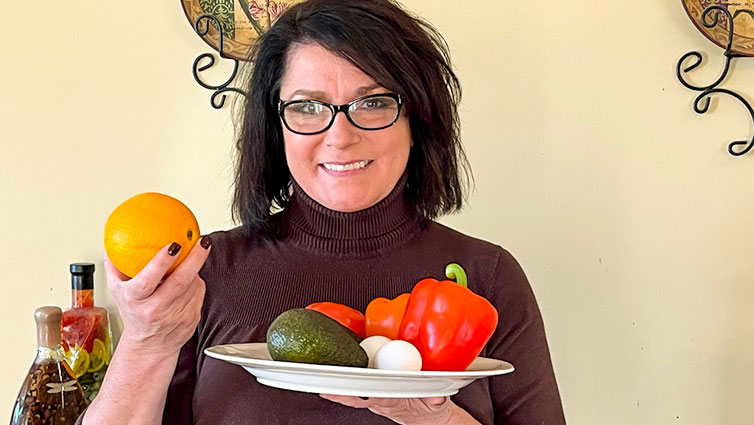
<point x="82" y="276"/>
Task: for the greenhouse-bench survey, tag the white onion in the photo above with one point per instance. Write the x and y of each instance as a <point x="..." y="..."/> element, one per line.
<point x="372" y="344"/>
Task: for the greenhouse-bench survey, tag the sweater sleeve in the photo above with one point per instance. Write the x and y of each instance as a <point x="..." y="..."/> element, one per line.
<point x="530" y="394"/>
<point x="181" y="390"/>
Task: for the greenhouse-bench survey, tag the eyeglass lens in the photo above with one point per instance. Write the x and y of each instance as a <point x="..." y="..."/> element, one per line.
<point x="369" y="113"/>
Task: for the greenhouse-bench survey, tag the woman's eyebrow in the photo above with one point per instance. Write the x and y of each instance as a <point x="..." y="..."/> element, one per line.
<point x="367" y="89"/>
<point x="316" y="94"/>
<point x="313" y="94"/>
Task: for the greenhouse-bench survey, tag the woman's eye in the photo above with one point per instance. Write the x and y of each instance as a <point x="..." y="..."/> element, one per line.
<point x="375" y="104"/>
<point x="307" y="108"/>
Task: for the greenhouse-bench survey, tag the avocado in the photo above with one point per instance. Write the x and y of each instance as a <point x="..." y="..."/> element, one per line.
<point x="308" y="336"/>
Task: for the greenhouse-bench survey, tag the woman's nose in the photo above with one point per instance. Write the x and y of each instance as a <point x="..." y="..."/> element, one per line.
<point x="342" y="133"/>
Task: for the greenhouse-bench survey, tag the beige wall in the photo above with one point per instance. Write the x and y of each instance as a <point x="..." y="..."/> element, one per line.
<point x="631" y="220"/>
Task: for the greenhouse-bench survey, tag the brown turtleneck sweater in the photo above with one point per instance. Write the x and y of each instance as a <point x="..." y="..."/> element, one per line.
<point x="352" y="258"/>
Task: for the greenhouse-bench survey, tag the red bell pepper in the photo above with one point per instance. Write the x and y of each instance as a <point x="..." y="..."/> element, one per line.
<point x="343" y="314"/>
<point x="384" y="316"/>
<point x="446" y="322"/>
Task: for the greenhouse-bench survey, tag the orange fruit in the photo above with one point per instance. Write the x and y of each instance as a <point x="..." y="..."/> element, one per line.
<point x="142" y="225"/>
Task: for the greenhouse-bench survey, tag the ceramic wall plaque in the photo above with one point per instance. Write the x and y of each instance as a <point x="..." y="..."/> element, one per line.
<point x="242" y="21"/>
<point x="742" y="12"/>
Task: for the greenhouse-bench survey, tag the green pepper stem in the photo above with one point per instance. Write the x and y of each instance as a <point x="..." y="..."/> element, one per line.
<point x="455" y="271"/>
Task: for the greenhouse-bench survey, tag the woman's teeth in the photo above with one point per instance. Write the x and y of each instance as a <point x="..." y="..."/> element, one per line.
<point x="347" y="167"/>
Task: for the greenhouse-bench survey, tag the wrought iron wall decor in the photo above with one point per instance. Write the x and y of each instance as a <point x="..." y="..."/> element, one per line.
<point x="224" y="87"/>
<point x="231" y="27"/>
<point x="710" y="18"/>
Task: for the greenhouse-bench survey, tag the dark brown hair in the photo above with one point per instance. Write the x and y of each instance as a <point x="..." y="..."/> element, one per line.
<point x="400" y="52"/>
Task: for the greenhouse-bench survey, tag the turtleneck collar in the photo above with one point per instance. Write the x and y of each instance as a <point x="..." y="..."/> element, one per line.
<point x="380" y="227"/>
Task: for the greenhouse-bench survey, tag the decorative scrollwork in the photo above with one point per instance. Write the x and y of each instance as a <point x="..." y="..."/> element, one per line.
<point x="219" y="90"/>
<point x="710" y="19"/>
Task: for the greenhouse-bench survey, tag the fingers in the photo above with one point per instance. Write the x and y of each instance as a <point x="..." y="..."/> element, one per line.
<point x="159" y="265"/>
<point x="365" y="402"/>
<point x="194" y="260"/>
<point x="112" y="273"/>
<point x="192" y="310"/>
<point x="429" y="410"/>
<point x="144" y="284"/>
<point x="186" y="304"/>
<point x="433" y="402"/>
<point x="116" y="280"/>
<point x="183" y="276"/>
<point x="356" y="402"/>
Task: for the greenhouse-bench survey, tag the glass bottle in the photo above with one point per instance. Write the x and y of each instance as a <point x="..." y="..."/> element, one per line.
<point x="50" y="394"/>
<point x="86" y="332"/>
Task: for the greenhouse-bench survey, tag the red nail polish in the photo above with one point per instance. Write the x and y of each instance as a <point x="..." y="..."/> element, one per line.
<point x="206" y="242"/>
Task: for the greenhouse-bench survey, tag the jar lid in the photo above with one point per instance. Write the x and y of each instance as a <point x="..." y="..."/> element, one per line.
<point x="48" y="326"/>
<point x="82" y="268"/>
<point x="82" y="276"/>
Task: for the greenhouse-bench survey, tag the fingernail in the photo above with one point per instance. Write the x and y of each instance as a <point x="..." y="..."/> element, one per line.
<point x="206" y="242"/>
<point x="173" y="249"/>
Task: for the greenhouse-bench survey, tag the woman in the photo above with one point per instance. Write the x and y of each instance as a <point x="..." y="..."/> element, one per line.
<point x="351" y="132"/>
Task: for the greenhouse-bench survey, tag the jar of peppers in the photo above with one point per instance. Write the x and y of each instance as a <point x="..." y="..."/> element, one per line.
<point x="86" y="335"/>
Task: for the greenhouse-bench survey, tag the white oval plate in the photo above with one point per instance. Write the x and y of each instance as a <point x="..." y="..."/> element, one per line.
<point x="353" y="381"/>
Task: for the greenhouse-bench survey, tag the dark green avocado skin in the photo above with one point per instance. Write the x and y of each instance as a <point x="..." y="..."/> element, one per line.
<point x="308" y="336"/>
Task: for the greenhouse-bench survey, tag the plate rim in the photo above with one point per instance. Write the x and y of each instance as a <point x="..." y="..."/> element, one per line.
<point x="505" y="367"/>
<point x="314" y="389"/>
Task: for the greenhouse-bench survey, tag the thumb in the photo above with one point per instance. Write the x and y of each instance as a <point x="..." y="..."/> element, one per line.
<point x="434" y="401"/>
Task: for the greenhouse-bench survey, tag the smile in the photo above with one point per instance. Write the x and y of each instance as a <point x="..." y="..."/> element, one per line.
<point x="347" y="167"/>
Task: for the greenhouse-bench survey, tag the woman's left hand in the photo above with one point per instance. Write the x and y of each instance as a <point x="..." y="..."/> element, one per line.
<point x="409" y="411"/>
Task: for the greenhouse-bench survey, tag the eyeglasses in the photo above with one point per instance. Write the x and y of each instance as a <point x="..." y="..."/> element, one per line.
<point x="373" y="112"/>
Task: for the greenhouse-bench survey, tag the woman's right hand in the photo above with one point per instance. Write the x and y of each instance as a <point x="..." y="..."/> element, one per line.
<point x="158" y="315"/>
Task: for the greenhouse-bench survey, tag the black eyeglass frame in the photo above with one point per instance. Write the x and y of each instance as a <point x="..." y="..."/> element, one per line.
<point x="339" y="108"/>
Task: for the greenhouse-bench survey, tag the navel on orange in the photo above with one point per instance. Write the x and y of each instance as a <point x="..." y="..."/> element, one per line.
<point x="142" y="225"/>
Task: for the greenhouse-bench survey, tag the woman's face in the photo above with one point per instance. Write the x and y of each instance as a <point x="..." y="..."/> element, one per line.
<point x="314" y="73"/>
